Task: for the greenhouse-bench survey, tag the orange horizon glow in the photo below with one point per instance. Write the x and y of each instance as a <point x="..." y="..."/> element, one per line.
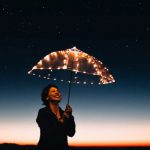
<point x="111" y="144"/>
<point x="106" y="144"/>
<point x="89" y="134"/>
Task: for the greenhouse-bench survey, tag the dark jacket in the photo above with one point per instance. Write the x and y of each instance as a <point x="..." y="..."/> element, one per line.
<point x="53" y="134"/>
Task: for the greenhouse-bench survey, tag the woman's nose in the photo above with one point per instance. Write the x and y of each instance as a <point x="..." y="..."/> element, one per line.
<point x="57" y="93"/>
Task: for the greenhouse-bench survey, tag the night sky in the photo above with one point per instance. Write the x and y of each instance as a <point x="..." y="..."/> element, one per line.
<point x="117" y="32"/>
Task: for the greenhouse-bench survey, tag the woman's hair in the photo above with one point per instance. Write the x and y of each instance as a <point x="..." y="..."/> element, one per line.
<point x="45" y="93"/>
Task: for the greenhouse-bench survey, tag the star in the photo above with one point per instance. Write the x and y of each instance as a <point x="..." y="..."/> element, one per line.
<point x="147" y="28"/>
<point x="139" y="3"/>
<point x="22" y="24"/>
<point x="38" y="27"/>
<point x="5" y="11"/>
<point x="30" y="23"/>
<point x="57" y="27"/>
<point x="4" y="69"/>
<point x="59" y="33"/>
<point x="77" y="29"/>
<point x="30" y="46"/>
<point x="43" y="7"/>
<point x="20" y="11"/>
<point x="61" y="12"/>
<point x="136" y="40"/>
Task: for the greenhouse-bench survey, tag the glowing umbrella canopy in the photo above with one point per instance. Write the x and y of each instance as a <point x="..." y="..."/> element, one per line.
<point x="75" y="60"/>
<point x="57" y="64"/>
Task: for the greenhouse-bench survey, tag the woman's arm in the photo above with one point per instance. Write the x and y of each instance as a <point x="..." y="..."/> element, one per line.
<point x="69" y="122"/>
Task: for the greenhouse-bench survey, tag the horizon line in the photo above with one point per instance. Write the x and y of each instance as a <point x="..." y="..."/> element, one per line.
<point x="87" y="145"/>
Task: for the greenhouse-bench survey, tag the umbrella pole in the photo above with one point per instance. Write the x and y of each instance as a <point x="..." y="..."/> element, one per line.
<point x="71" y="74"/>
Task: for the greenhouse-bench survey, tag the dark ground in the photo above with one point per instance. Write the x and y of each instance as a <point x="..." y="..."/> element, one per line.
<point x="7" y="146"/>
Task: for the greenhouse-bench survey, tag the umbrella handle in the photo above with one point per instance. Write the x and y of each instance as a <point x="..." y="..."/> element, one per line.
<point x="70" y="83"/>
<point x="69" y="93"/>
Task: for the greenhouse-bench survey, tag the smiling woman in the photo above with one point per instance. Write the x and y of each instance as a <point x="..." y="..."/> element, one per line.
<point x="50" y="95"/>
<point x="55" y="124"/>
<point x="54" y="94"/>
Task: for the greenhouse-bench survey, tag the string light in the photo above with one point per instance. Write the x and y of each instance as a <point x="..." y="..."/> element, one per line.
<point x="40" y="62"/>
<point x="65" y="60"/>
<point x="35" y="67"/>
<point x="29" y="72"/>
<point x="64" y="67"/>
<point x="65" y="57"/>
<point x="84" y="82"/>
<point x="47" y="58"/>
<point x="89" y="60"/>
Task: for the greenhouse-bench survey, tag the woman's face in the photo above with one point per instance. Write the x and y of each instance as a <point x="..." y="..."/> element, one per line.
<point x="54" y="94"/>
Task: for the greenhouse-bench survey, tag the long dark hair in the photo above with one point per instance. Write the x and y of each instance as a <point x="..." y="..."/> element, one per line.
<point x="45" y="93"/>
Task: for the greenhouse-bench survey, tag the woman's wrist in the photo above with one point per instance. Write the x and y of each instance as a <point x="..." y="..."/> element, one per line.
<point x="66" y="115"/>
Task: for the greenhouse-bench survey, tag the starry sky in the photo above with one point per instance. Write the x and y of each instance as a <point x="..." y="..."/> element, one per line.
<point x="115" y="32"/>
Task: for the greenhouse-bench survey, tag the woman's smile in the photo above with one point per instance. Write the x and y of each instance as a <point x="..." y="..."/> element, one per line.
<point x="54" y="94"/>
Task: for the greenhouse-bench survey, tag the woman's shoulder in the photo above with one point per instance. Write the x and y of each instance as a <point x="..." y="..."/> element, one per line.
<point x="42" y="110"/>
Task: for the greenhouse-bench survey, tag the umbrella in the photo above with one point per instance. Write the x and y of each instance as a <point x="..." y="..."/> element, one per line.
<point x="83" y="68"/>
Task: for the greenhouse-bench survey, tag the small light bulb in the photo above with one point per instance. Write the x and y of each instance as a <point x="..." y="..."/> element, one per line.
<point x="64" y="67"/>
<point x="40" y="62"/>
<point x="29" y="72"/>
<point x="35" y="67"/>
<point x="95" y="65"/>
<point x="47" y="58"/>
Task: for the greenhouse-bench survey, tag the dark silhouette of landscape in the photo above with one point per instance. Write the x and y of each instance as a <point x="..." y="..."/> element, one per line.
<point x="8" y="146"/>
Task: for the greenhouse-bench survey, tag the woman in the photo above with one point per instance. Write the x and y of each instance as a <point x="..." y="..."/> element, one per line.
<point x="54" y="123"/>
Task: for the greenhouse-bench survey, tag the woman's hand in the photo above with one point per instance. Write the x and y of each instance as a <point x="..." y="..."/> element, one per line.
<point x="68" y="111"/>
